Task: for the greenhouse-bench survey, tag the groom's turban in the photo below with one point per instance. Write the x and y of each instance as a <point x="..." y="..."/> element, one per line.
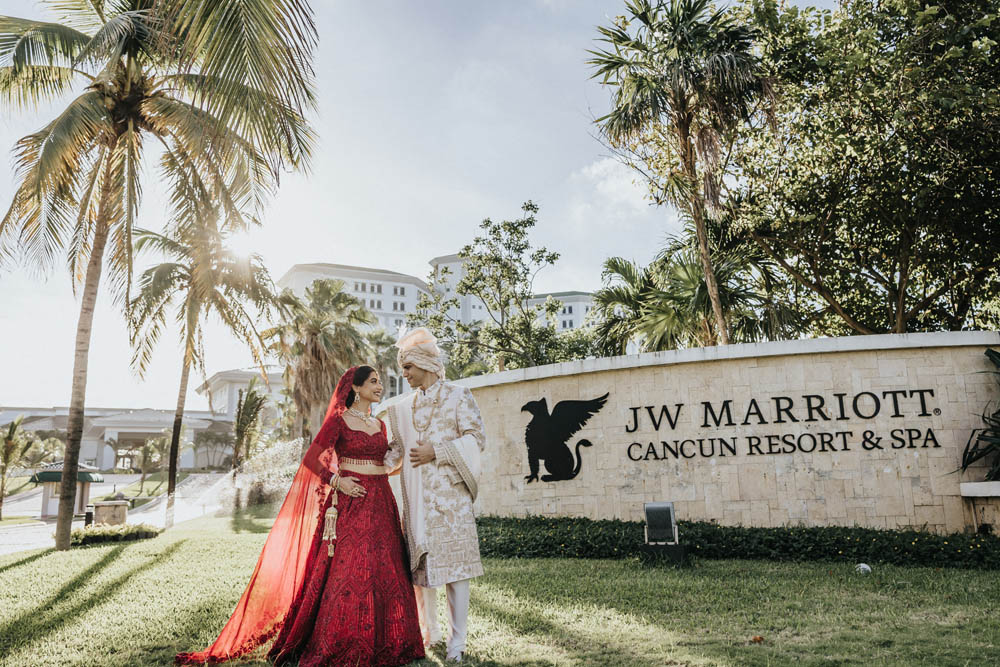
<point x="419" y="347"/>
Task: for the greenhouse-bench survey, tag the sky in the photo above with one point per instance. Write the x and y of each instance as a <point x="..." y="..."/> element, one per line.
<point x="431" y="117"/>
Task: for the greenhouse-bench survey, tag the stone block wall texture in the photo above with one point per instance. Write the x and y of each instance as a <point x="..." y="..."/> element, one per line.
<point x="111" y="512"/>
<point x="821" y="466"/>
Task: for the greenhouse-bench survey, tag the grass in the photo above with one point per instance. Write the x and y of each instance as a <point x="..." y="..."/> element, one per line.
<point x="155" y="485"/>
<point x="14" y="520"/>
<point x="17" y="485"/>
<point x="140" y="603"/>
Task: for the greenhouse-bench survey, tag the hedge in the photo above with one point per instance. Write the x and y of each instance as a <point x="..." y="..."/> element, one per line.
<point x="541" y="537"/>
<point x="102" y="532"/>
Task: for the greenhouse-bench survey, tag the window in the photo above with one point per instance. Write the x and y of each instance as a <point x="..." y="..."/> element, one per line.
<point x="402" y="305"/>
<point x="395" y="306"/>
<point x="371" y="303"/>
<point x="395" y="291"/>
<point x="570" y="310"/>
<point x="379" y="288"/>
<point x="379" y="302"/>
<point x="357" y="288"/>
<point x="402" y="291"/>
<point x="363" y="287"/>
<point x="399" y="323"/>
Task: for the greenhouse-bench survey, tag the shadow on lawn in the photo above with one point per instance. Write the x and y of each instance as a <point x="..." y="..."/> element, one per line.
<point x="52" y="613"/>
<point x="25" y="560"/>
<point x="578" y="645"/>
<point x="254" y="519"/>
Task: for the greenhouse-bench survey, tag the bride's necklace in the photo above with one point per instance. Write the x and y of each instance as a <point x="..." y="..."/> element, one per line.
<point x="367" y="419"/>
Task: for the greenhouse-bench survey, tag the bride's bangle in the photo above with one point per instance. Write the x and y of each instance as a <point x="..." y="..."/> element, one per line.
<point x="335" y="482"/>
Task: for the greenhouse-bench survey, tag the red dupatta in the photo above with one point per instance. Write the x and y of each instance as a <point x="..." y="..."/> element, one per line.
<point x="280" y="570"/>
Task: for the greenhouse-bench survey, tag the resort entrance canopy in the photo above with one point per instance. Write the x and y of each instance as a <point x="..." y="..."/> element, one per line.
<point x="110" y="434"/>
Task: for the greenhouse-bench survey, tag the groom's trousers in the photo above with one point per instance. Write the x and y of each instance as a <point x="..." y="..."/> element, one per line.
<point x="458" y="614"/>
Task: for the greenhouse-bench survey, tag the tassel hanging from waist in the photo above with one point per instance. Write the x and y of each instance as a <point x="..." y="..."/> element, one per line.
<point x="330" y="521"/>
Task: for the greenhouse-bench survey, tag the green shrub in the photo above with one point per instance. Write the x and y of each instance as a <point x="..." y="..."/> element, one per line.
<point x="102" y="532"/>
<point x="540" y="537"/>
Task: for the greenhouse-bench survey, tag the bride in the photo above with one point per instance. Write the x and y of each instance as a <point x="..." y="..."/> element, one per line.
<point x="332" y="581"/>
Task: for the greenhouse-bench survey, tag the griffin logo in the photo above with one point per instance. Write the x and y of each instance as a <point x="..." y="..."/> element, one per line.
<point x="547" y="436"/>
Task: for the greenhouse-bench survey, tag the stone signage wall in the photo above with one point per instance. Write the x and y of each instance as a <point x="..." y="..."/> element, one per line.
<point x="863" y="430"/>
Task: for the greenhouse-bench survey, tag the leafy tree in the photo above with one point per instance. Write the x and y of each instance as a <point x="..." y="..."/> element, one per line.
<point x="456" y="369"/>
<point x="219" y="88"/>
<point x="685" y="73"/>
<point x="202" y="278"/>
<point x="318" y="338"/>
<point x="499" y="272"/>
<point x="877" y="190"/>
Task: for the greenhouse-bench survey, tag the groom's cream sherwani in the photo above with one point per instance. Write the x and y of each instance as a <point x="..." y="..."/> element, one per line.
<point x="437" y="497"/>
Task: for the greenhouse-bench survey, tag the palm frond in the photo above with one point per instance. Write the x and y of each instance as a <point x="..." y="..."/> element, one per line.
<point x="260" y="44"/>
<point x="124" y="33"/>
<point x="25" y="42"/>
<point x="85" y="15"/>
<point x="30" y="85"/>
<point x="48" y="166"/>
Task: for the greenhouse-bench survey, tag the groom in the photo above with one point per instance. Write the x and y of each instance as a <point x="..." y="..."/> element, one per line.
<point x="442" y="434"/>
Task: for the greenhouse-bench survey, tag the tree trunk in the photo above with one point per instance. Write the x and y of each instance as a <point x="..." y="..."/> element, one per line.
<point x="303" y="430"/>
<point x="74" y="429"/>
<point x="175" y="440"/>
<point x="315" y="421"/>
<point x="710" y="283"/>
<point x="698" y="214"/>
<point x="3" y="489"/>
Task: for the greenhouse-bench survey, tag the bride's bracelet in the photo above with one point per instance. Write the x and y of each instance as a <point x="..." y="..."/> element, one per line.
<point x="335" y="482"/>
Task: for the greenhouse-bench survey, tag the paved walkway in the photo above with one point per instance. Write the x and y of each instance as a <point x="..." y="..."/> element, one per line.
<point x="196" y="496"/>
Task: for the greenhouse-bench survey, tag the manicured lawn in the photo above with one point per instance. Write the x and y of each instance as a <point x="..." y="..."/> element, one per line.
<point x="155" y="485"/>
<point x="17" y="485"/>
<point x="14" y="520"/>
<point x="139" y="603"/>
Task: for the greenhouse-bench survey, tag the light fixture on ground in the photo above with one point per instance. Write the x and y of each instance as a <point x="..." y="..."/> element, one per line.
<point x="662" y="540"/>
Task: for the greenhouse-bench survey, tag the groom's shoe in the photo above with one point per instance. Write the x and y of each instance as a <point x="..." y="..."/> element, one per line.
<point x="454" y="657"/>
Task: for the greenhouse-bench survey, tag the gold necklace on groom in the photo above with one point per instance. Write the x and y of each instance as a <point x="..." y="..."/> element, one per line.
<point x="421" y="430"/>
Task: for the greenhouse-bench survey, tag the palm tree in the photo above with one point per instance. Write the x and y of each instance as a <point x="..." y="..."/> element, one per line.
<point x="245" y="424"/>
<point x="691" y="72"/>
<point x="12" y="450"/>
<point x="151" y="456"/>
<point x="318" y="339"/>
<point x="619" y="304"/>
<point x="246" y="421"/>
<point x="203" y="279"/>
<point x="219" y="88"/>
<point x="382" y="348"/>
<point x="665" y="306"/>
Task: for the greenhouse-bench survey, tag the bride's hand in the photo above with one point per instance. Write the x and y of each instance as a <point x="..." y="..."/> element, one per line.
<point x="349" y="486"/>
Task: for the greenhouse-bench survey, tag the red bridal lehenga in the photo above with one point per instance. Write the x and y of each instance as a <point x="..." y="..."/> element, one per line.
<point x="354" y="608"/>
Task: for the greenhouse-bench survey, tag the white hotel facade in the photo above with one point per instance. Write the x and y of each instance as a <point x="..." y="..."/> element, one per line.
<point x="389" y="295"/>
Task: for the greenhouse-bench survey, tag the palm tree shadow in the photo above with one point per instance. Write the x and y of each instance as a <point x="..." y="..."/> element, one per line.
<point x="33" y="625"/>
<point x="25" y="560"/>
